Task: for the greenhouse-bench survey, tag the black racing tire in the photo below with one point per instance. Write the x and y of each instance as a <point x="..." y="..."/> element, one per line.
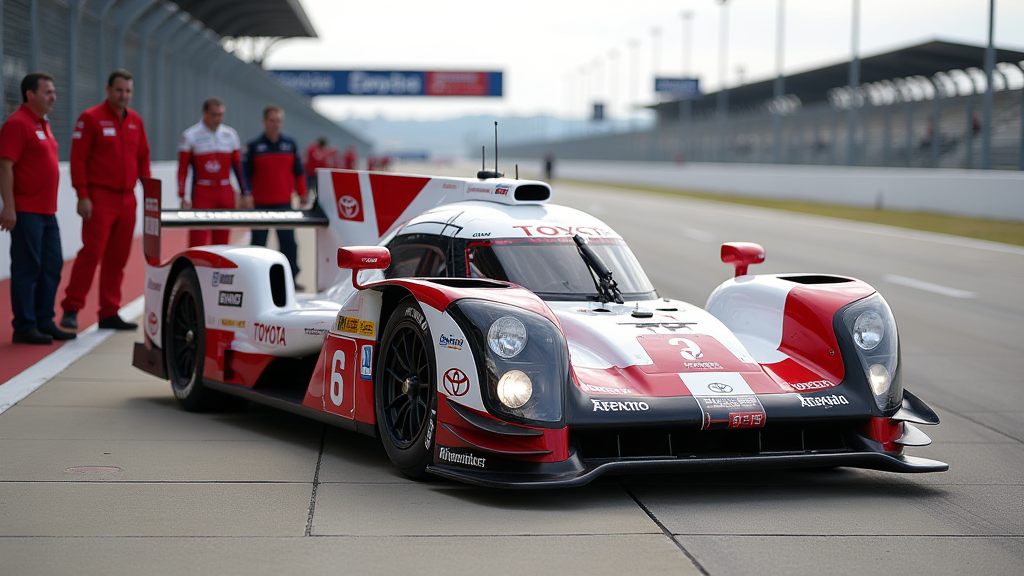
<point x="185" y="346"/>
<point x="405" y="391"/>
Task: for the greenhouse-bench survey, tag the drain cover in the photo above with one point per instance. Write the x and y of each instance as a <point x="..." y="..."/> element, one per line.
<point x="92" y="469"/>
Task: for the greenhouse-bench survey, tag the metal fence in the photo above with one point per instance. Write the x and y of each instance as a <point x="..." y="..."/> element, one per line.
<point x="177" y="62"/>
<point x="937" y="132"/>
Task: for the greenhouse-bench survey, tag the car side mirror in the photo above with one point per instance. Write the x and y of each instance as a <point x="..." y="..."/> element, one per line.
<point x="741" y="255"/>
<point x="359" y="258"/>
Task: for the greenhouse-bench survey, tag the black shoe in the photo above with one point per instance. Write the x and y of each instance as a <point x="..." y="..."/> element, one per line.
<point x="116" y="323"/>
<point x="70" y="319"/>
<point x="33" y="336"/>
<point x="58" y="334"/>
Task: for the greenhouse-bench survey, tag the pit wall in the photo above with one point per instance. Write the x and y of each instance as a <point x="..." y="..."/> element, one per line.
<point x="981" y="193"/>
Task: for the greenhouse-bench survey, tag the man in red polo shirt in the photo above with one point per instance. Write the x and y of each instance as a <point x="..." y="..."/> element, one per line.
<point x="109" y="153"/>
<point x="28" y="186"/>
<point x="316" y="157"/>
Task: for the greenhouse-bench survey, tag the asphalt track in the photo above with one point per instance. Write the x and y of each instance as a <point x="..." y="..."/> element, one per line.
<point x="261" y="492"/>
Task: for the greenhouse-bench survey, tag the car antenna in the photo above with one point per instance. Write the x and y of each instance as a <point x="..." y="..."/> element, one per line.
<point x="517" y="171"/>
<point x="484" y="174"/>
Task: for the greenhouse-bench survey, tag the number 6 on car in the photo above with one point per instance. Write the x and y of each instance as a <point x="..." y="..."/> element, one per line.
<point x="488" y="336"/>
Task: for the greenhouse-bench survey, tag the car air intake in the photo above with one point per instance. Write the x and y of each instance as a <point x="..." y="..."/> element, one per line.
<point x="816" y="279"/>
<point x="277" y="285"/>
<point x="532" y="193"/>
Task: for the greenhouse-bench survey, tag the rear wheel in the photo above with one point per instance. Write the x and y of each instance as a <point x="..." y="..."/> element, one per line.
<point x="185" y="346"/>
<point x="405" y="391"/>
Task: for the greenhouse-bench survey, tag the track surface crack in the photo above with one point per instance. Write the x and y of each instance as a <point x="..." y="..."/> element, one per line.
<point x="316" y="482"/>
<point x="664" y="529"/>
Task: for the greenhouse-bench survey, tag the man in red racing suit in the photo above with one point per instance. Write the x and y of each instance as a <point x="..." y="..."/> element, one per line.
<point x="212" y="150"/>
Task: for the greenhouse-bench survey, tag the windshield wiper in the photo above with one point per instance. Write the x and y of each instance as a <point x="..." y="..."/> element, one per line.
<point x="607" y="288"/>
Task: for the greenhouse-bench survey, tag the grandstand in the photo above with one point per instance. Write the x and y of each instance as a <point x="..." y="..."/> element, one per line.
<point x="174" y="49"/>
<point x="919" y="106"/>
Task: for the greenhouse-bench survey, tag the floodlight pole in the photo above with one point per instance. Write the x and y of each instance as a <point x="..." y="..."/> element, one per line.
<point x="779" y="87"/>
<point x="990" y="64"/>
<point x="854" y="82"/>
<point x="723" y="70"/>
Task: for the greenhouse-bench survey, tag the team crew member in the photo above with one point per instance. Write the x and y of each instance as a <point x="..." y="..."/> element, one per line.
<point x="212" y="149"/>
<point x="109" y="153"/>
<point x="273" y="171"/>
<point x="28" y="186"/>
<point x="316" y="157"/>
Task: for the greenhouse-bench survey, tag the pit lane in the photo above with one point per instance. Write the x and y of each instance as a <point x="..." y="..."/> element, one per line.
<point x="153" y="489"/>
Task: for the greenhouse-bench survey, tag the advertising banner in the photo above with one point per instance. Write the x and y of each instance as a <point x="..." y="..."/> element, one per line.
<point x="391" y="82"/>
<point x="684" y="88"/>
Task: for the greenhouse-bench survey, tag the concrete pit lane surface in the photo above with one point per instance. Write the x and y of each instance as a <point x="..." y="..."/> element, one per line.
<point x="102" y="472"/>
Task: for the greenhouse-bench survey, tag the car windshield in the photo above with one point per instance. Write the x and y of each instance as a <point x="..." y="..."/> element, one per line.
<point x="554" y="269"/>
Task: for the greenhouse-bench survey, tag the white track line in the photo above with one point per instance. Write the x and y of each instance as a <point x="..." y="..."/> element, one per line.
<point x="929" y="287"/>
<point x="16" y="389"/>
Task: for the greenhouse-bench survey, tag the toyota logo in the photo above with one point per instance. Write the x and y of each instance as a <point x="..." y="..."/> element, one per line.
<point x="348" y="206"/>
<point x="719" y="388"/>
<point x="455" y="382"/>
<point x="212" y="166"/>
<point x="151" y="321"/>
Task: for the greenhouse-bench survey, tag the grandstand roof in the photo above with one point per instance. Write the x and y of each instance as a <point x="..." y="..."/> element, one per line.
<point x="282" y="18"/>
<point x="925" y="59"/>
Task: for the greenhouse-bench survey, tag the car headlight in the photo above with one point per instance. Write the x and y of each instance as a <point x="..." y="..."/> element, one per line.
<point x="506" y="337"/>
<point x="872" y="328"/>
<point x="522" y="361"/>
<point x="868" y="330"/>
<point x="514" y="388"/>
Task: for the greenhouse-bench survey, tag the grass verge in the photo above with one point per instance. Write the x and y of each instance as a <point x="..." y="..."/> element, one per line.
<point x="1008" y="232"/>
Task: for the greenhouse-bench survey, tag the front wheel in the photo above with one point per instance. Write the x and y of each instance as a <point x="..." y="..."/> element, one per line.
<point x="406" y="392"/>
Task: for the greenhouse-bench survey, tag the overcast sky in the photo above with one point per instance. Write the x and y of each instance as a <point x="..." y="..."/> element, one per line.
<point x="542" y="45"/>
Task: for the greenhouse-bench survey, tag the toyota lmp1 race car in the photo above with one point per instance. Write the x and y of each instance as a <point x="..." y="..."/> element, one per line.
<point x="488" y="336"/>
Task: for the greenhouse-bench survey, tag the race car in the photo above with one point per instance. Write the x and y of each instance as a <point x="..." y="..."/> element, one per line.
<point x="489" y="336"/>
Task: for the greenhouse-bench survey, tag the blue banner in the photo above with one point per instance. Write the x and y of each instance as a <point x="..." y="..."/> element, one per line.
<point x="391" y="83"/>
<point x="683" y="88"/>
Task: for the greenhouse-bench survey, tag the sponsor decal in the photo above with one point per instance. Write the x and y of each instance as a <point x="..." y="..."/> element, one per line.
<point x="230" y="299"/>
<point x="501" y="190"/>
<point x="151" y="226"/>
<point x="430" y="430"/>
<point x="354" y="325"/>
<point x="703" y="365"/>
<point x="746" y="419"/>
<point x="110" y="131"/>
<point x="823" y="401"/>
<point x="150" y="285"/>
<point x="719" y="388"/>
<point x="232" y="323"/>
<point x="449" y="186"/>
<point x="366" y="363"/>
<point x="245" y="215"/>
<point x="151" y="323"/>
<point x="315" y="331"/>
<point x="348" y="207"/>
<point x="812" y="386"/>
<point x="212" y="166"/>
<point x="152" y="205"/>
<point x="222" y="278"/>
<point x="604" y="389"/>
<point x="479" y="189"/>
<point x="466" y="459"/>
<point x="455" y="382"/>
<point x="618" y="406"/>
<point x="269" y="334"/>
<point x="562" y="230"/>
<point x="481" y="234"/>
<point x="450" y="341"/>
